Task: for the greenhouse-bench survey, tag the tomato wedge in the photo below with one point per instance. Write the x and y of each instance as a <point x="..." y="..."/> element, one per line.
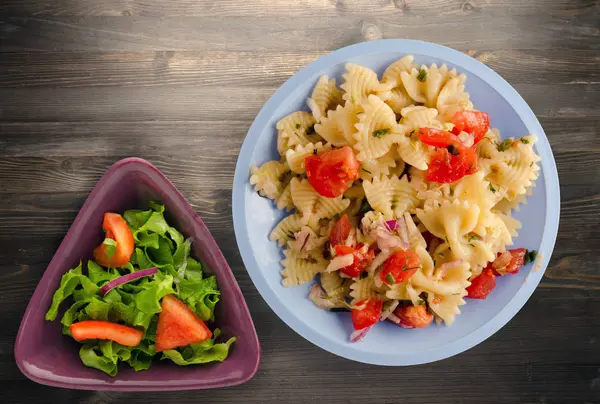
<point x="340" y="231"/>
<point x="368" y="315"/>
<point x="517" y="260"/>
<point x="116" y="229"/>
<point x="178" y="325"/>
<point x="482" y="285"/>
<point x="452" y="160"/>
<point x="361" y="261"/>
<point x="473" y="122"/>
<point x="332" y="173"/>
<point x="400" y="267"/>
<point x="95" y="329"/>
<point x="413" y="316"/>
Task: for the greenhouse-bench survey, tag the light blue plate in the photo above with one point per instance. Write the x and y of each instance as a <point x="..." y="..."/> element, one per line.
<point x="254" y="217"/>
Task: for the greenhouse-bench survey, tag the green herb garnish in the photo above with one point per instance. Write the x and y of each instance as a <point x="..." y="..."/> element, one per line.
<point x="422" y="76"/>
<point x="298" y="126"/>
<point x="365" y="207"/>
<point x="311" y="130"/>
<point x="524" y="141"/>
<point x="529" y="256"/>
<point x="492" y="188"/>
<point x="111" y="247"/>
<point x="420" y="302"/>
<point x="473" y="237"/>
<point x="381" y="132"/>
<point x="390" y="279"/>
<point x="505" y="145"/>
<point x="365" y="170"/>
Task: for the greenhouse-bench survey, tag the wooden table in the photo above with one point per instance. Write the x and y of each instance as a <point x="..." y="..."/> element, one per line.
<point x="84" y="83"/>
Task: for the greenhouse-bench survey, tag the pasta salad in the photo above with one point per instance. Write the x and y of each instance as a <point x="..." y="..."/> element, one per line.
<point x="401" y="196"/>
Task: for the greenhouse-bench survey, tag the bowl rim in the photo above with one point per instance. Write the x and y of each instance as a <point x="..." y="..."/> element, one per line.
<point x="19" y="348"/>
<point x="472" y="67"/>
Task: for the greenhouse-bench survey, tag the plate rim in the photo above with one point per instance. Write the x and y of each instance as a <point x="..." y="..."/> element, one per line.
<point x="472" y="67"/>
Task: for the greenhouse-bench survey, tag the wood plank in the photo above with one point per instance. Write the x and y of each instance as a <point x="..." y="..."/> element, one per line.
<point x="221" y="103"/>
<point x="156" y="69"/>
<point x="262" y="8"/>
<point x="309" y="33"/>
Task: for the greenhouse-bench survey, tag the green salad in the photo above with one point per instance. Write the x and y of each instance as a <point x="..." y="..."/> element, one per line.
<point x="143" y="296"/>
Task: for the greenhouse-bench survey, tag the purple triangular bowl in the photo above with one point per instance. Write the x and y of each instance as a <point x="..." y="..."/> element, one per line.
<point x="46" y="356"/>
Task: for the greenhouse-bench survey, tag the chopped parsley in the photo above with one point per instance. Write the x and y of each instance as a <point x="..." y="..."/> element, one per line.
<point x="422" y="76"/>
<point x="441" y="255"/>
<point x="365" y="207"/>
<point x="365" y="170"/>
<point x="298" y="126"/>
<point x="524" y="141"/>
<point x="381" y="132"/>
<point x="404" y="268"/>
<point x="311" y="130"/>
<point x="492" y="188"/>
<point x="505" y="145"/>
<point x="531" y="164"/>
<point x="390" y="279"/>
<point x="473" y="237"/>
<point x="111" y="247"/>
<point x="530" y="256"/>
<point x="420" y="302"/>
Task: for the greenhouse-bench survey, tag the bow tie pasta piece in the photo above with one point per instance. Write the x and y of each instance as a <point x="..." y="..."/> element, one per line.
<point x="294" y="129"/>
<point x="415" y="238"/>
<point x="284" y="201"/>
<point x="506" y="206"/>
<point x="416" y="117"/>
<point x="453" y="98"/>
<point x="307" y="243"/>
<point x="398" y="100"/>
<point x="474" y="189"/>
<point x="313" y="206"/>
<point x="391" y="196"/>
<point x="295" y="157"/>
<point x="450" y="221"/>
<point x="425" y="84"/>
<point x="512" y="166"/>
<point x="331" y="130"/>
<point x="286" y="229"/>
<point x="270" y="179"/>
<point x="325" y="95"/>
<point x="365" y="288"/>
<point x="360" y="82"/>
<point x="344" y="119"/>
<point x="446" y="308"/>
<point x="392" y="75"/>
<point x="446" y="281"/>
<point x="380" y="166"/>
<point x="298" y="270"/>
<point x="377" y="129"/>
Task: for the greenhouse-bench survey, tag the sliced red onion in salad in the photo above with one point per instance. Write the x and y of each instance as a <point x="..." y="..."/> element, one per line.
<point x="107" y="287"/>
<point x="393" y="318"/>
<point x="358" y="335"/>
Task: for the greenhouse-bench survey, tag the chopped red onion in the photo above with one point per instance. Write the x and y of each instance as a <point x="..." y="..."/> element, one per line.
<point x="107" y="287"/>
<point x="393" y="318"/>
<point x="358" y="335"/>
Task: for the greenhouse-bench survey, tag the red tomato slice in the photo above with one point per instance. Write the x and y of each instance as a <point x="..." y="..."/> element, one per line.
<point x="516" y="262"/>
<point x="400" y="267"/>
<point x="446" y="167"/>
<point x="438" y="137"/>
<point x="368" y="315"/>
<point x="117" y="229"/>
<point x="93" y="329"/>
<point x="361" y="261"/>
<point x="474" y="122"/>
<point x="332" y="173"/>
<point x="178" y="325"/>
<point x="340" y="231"/>
<point x="413" y="316"/>
<point x="482" y="285"/>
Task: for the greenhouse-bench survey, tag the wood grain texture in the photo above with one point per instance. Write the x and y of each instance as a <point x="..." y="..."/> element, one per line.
<point x="84" y="83"/>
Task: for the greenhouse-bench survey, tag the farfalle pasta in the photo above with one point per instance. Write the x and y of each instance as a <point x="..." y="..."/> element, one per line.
<point x="401" y="196"/>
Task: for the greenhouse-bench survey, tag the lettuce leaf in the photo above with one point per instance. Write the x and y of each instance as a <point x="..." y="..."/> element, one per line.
<point x="202" y="352"/>
<point x="69" y="283"/>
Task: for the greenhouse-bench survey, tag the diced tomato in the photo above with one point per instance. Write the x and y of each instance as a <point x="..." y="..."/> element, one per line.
<point x="117" y="229"/>
<point x="95" y="329"/>
<point x="438" y="137"/>
<point x="473" y="122"/>
<point x="400" y="267"/>
<point x="178" y="325"/>
<point x="332" y="173"/>
<point x="361" y="261"/>
<point x="482" y="285"/>
<point x="340" y="231"/>
<point x="517" y="260"/>
<point x="446" y="167"/>
<point x="413" y="316"/>
<point x="368" y="315"/>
